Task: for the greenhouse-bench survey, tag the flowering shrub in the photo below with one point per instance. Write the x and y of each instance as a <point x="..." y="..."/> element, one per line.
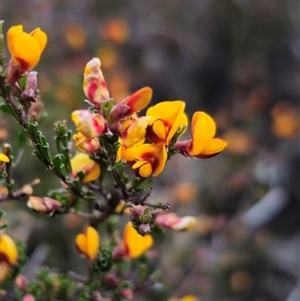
<point x="110" y="175"/>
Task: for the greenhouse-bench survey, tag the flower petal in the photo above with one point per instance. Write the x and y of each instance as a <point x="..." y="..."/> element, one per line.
<point x="4" y="158"/>
<point x="135" y="244"/>
<point x="8" y="249"/>
<point x="139" y="100"/>
<point x="203" y="128"/>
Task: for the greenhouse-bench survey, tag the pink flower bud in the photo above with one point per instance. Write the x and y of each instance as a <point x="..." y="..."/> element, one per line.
<point x="21" y="282"/>
<point x="111" y="281"/>
<point x="43" y="205"/>
<point x="126" y="293"/>
<point x="28" y="297"/>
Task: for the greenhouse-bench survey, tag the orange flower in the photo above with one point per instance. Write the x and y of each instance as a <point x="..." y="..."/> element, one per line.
<point x="165" y="119"/>
<point x="88" y="243"/>
<point x="133" y="243"/>
<point x="94" y="85"/>
<point x="82" y="162"/>
<point x="89" y="124"/>
<point x="8" y="250"/>
<point x="132" y="104"/>
<point x="25" y="49"/>
<point x="86" y="145"/>
<point x="203" y="144"/>
<point x="151" y="159"/>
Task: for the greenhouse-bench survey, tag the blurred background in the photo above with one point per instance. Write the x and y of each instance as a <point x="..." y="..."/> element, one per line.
<point x="237" y="60"/>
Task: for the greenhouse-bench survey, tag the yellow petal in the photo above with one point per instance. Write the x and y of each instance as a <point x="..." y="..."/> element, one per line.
<point x="88" y="243"/>
<point x="8" y="249"/>
<point x="213" y="146"/>
<point x="40" y="37"/>
<point x="80" y="242"/>
<point x="93" y="242"/>
<point x="4" y="158"/>
<point x="145" y="170"/>
<point x="25" y="48"/>
<point x="135" y="243"/>
<point x="171" y="113"/>
<point x="93" y="174"/>
<point x="159" y="129"/>
<point x="203" y="128"/>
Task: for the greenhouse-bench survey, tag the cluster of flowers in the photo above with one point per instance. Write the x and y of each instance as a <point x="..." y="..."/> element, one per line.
<point x="145" y="143"/>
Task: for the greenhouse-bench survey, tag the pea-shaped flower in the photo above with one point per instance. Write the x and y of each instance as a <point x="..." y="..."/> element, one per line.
<point x="25" y="49"/>
<point x="203" y="144"/>
<point x="87" y="243"/>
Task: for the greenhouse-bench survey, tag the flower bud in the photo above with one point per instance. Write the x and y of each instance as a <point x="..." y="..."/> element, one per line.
<point x="90" y="125"/>
<point x="43" y="205"/>
<point x="31" y="85"/>
<point x="173" y="222"/>
<point x="28" y="297"/>
<point x="21" y="282"/>
<point x="94" y="85"/>
<point x="144" y="229"/>
<point x="126" y="293"/>
<point x="111" y="281"/>
<point x="87" y="145"/>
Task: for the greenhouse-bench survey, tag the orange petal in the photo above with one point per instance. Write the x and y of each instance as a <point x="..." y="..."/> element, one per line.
<point x="203" y="128"/>
<point x="8" y="249"/>
<point x="213" y="146"/>
<point x="93" y="242"/>
<point x="139" y="100"/>
<point x="88" y="243"/>
<point x="136" y="244"/>
<point x="40" y="37"/>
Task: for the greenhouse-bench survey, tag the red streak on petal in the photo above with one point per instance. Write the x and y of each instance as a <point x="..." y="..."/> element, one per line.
<point x="92" y="88"/>
<point x="24" y="65"/>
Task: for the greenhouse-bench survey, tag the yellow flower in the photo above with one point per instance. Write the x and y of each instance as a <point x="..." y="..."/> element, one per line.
<point x="133" y="243"/>
<point x="25" y="48"/>
<point x="165" y="119"/>
<point x="203" y="144"/>
<point x="151" y="159"/>
<point x="8" y="250"/>
<point x="88" y="243"/>
<point x="133" y="131"/>
<point x="82" y="162"/>
<point x="4" y="158"/>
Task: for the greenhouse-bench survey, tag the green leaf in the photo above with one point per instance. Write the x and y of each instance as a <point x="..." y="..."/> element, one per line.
<point x="58" y="162"/>
<point x="22" y="139"/>
<point x="141" y="183"/>
<point x="119" y="166"/>
<point x="8" y="109"/>
<point x="22" y="82"/>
